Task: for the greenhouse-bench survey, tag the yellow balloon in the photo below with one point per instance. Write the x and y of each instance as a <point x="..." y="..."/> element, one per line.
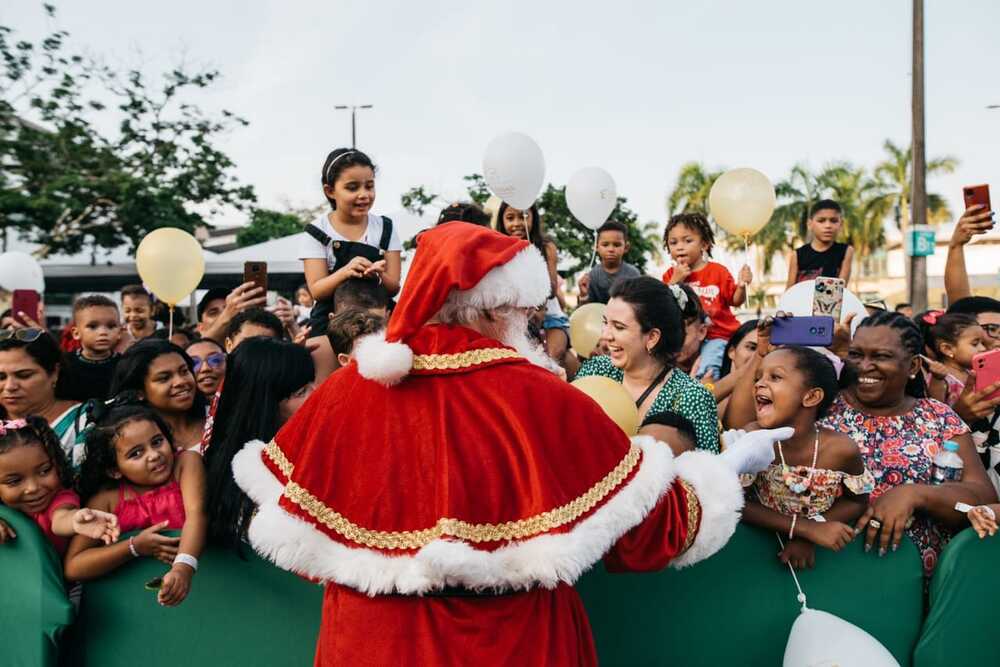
<point x="585" y="325"/>
<point x="742" y="201"/>
<point x="170" y="263"/>
<point x="614" y="399"/>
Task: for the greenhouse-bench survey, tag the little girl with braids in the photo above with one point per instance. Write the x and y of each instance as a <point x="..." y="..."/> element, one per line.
<point x="132" y="470"/>
<point x="689" y="239"/>
<point x="35" y="480"/>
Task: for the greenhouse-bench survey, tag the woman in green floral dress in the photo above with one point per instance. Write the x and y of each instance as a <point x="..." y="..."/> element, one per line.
<point x="644" y="329"/>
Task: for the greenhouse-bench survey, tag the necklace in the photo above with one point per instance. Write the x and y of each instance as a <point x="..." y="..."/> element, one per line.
<point x="793" y="481"/>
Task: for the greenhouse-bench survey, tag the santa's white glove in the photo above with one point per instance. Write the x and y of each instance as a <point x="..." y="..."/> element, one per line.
<point x="753" y="452"/>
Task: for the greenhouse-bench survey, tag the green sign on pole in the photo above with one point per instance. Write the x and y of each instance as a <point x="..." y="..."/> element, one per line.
<point x="920" y="241"/>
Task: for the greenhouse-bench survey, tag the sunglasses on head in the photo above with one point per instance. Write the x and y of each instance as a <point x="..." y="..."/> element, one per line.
<point x="214" y="360"/>
<point x="23" y="335"/>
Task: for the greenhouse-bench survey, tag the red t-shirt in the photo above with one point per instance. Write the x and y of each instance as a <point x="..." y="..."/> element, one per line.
<point x="44" y="518"/>
<point x="715" y="286"/>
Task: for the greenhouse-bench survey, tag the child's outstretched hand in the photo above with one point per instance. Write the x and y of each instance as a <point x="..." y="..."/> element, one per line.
<point x="746" y="276"/>
<point x="983" y="520"/>
<point x="96" y="525"/>
<point x="832" y="535"/>
<point x="176" y="585"/>
<point x="6" y="532"/>
<point x="799" y="553"/>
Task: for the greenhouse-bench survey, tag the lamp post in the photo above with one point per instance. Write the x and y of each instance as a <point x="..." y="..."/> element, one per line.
<point x="918" y="194"/>
<point x="354" y="110"/>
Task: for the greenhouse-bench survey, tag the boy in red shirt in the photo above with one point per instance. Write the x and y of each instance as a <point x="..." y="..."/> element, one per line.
<point x="689" y="240"/>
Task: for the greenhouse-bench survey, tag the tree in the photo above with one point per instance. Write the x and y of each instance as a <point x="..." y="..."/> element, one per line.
<point x="895" y="177"/>
<point x="690" y="193"/>
<point x="864" y="224"/>
<point x="67" y="184"/>
<point x="266" y="225"/>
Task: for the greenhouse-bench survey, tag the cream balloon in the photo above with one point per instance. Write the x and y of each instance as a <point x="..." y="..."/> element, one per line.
<point x="514" y="169"/>
<point x="613" y="399"/>
<point x="591" y="196"/>
<point x="742" y="201"/>
<point x="19" y="270"/>
<point x="170" y="263"/>
<point x="819" y="638"/>
<point x="585" y="326"/>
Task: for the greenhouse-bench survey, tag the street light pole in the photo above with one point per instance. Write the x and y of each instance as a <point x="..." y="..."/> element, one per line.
<point x="918" y="198"/>
<point x="354" y="126"/>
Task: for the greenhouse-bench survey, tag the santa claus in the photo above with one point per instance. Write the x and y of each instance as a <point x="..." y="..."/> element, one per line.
<point x="448" y="491"/>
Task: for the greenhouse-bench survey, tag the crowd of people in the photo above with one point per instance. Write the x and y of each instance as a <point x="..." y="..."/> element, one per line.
<point x="120" y="426"/>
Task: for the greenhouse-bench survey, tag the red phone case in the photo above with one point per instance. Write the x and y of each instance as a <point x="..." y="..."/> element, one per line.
<point x="977" y="194"/>
<point x="987" y="368"/>
<point x="25" y="301"/>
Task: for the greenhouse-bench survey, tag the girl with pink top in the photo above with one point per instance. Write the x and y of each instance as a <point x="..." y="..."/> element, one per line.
<point x="132" y="470"/>
<point x="35" y="480"/>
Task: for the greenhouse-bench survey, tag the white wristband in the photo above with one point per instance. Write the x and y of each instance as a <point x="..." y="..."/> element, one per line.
<point x="187" y="559"/>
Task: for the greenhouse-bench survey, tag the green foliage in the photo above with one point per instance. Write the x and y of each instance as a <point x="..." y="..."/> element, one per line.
<point x="67" y="184"/>
<point x="417" y="199"/>
<point x="266" y="225"/>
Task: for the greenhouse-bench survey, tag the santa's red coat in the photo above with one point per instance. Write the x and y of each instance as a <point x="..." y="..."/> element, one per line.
<point x="479" y="471"/>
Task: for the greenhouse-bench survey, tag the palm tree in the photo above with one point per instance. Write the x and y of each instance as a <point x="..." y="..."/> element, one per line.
<point x="690" y="193"/>
<point x="895" y="178"/>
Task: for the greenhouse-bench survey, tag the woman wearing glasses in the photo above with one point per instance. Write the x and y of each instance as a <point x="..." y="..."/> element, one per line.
<point x="209" y="365"/>
<point x="30" y="361"/>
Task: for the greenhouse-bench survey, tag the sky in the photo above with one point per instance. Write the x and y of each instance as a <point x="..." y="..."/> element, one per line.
<point x="638" y="88"/>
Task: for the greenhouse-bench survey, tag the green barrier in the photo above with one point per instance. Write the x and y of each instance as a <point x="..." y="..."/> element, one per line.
<point x="35" y="610"/>
<point x="239" y="612"/>
<point x="960" y="626"/>
<point x="738" y="607"/>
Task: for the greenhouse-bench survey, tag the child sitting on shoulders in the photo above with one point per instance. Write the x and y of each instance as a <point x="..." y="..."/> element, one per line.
<point x="818" y="485"/>
<point x="951" y="341"/>
<point x="612" y="246"/>
<point x="97" y="327"/>
<point x="35" y="480"/>
<point x="132" y="470"/>
<point x="689" y="239"/>
<point x="823" y="255"/>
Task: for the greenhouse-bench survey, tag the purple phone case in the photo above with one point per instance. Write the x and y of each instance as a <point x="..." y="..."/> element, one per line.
<point x="808" y="331"/>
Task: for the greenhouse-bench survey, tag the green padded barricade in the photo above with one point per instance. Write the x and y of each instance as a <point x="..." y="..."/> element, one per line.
<point x="239" y="612"/>
<point x="737" y="607"/>
<point x="960" y="628"/>
<point x="34" y="609"/>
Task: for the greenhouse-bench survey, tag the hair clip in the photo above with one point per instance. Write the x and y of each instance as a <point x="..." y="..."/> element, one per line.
<point x="679" y="295"/>
<point x="932" y="317"/>
<point x="12" y="425"/>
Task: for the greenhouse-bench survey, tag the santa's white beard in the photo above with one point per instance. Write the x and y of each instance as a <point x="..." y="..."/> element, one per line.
<point x="511" y="329"/>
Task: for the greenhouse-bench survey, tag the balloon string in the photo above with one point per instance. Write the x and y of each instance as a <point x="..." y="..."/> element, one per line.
<point x="593" y="257"/>
<point x="801" y="597"/>
<point x="170" y="329"/>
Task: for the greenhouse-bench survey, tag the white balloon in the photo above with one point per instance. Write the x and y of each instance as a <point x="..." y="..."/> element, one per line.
<point x="514" y="169"/>
<point x="819" y="638"/>
<point x="798" y="301"/>
<point x="19" y="270"/>
<point x="591" y="196"/>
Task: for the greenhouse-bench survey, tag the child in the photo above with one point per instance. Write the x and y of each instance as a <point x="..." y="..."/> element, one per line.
<point x="97" y="327"/>
<point x="612" y="246"/>
<point x="132" y="470"/>
<point x="802" y="494"/>
<point x="689" y="239"/>
<point x="951" y="341"/>
<point x="822" y="256"/>
<point x="303" y="305"/>
<point x="348" y="326"/>
<point x="137" y="307"/>
<point x="35" y="480"/>
<point x="361" y="294"/>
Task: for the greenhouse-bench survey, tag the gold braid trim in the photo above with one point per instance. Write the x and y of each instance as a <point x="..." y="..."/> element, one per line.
<point x="693" y="515"/>
<point x="469" y="532"/>
<point x="450" y="362"/>
<point x="278" y="457"/>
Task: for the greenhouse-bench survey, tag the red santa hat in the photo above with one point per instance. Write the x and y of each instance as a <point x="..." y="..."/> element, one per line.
<point x="458" y="262"/>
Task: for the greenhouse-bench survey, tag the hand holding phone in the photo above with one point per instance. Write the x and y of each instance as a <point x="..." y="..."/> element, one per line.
<point x="987" y="368"/>
<point x="256" y="273"/>
<point x="807" y="331"/>
<point x="26" y="301"/>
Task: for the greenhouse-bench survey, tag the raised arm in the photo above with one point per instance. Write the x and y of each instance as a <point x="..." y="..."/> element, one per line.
<point x="975" y="220"/>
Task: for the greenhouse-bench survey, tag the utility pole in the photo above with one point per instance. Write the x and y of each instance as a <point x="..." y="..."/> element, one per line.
<point x="918" y="199"/>
<point x="354" y="126"/>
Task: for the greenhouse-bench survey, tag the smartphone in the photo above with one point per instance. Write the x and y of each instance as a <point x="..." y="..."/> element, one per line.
<point x="828" y="297"/>
<point x="987" y="368"/>
<point x="809" y="331"/>
<point x="25" y="301"/>
<point x="977" y="194"/>
<point x="256" y="272"/>
<point x="154" y="584"/>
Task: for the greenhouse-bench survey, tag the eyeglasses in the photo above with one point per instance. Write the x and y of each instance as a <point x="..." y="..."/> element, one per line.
<point x="214" y="360"/>
<point x="992" y="330"/>
<point x="23" y="335"/>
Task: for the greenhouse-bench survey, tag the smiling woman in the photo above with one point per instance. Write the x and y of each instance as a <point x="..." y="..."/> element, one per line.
<point x="163" y="374"/>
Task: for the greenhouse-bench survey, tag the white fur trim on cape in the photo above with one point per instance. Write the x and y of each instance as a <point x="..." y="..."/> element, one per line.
<point x="522" y="282"/>
<point x="547" y="560"/>
<point x="382" y="361"/>
<point x="720" y="495"/>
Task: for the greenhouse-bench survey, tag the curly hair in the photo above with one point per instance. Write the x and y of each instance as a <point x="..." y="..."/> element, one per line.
<point x="697" y="223"/>
<point x="38" y="432"/>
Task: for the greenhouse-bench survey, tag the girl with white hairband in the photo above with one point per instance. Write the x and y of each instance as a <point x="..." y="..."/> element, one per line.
<point x="348" y="242"/>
